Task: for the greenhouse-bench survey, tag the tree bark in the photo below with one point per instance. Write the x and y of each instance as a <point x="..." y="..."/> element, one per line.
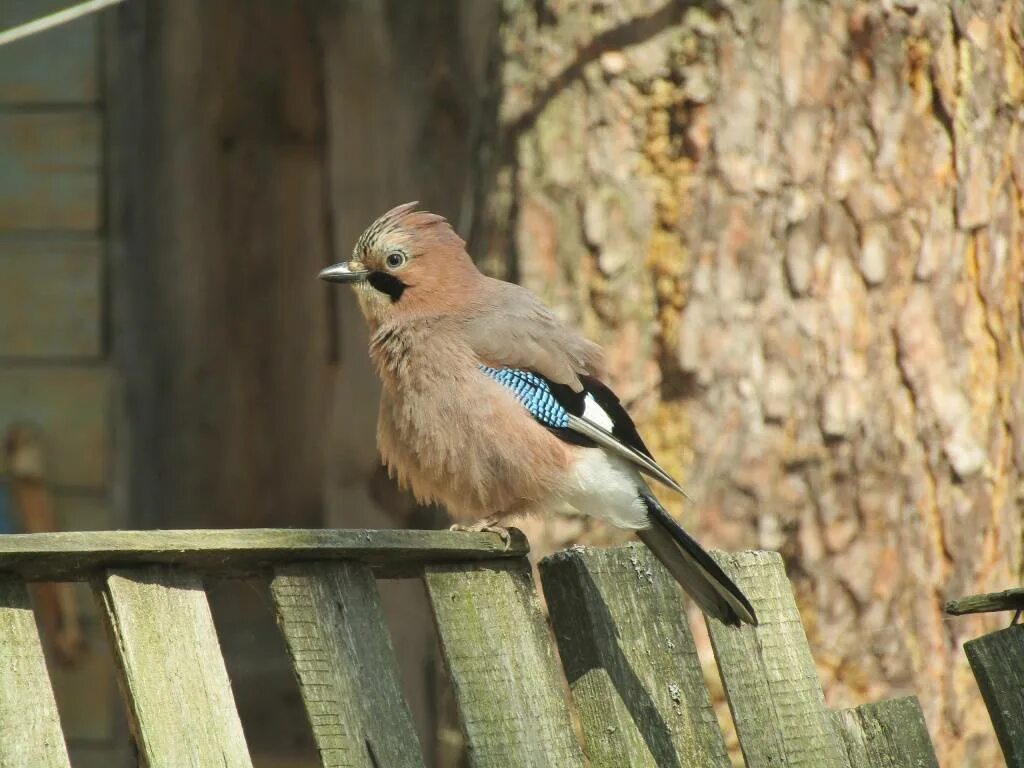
<point x="796" y="227"/>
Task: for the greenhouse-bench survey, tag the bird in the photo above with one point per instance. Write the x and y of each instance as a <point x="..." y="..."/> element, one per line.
<point x="493" y="407"/>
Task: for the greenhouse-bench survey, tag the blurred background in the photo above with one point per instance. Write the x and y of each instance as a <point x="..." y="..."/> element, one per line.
<point x="795" y="226"/>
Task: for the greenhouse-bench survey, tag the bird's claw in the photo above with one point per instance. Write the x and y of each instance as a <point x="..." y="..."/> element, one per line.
<point x="486" y="527"/>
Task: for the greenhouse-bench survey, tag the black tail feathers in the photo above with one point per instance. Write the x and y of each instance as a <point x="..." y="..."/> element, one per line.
<point x="694" y="569"/>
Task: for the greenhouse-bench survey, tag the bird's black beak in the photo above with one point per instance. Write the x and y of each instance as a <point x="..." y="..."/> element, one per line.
<point x="343" y="272"/>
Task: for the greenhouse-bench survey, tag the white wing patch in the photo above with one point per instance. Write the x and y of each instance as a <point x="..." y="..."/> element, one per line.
<point x="606" y="439"/>
<point x="595" y="414"/>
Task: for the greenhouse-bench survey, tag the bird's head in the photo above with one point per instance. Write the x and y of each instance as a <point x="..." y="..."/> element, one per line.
<point x="407" y="263"/>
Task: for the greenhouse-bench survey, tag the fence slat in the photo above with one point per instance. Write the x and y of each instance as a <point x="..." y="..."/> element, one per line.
<point x="502" y="665"/>
<point x="851" y="734"/>
<point x="182" y="710"/>
<point x="332" y="621"/>
<point x="886" y="734"/>
<point x="997" y="660"/>
<point x="630" y="659"/>
<point x="29" y="726"/>
<point x="770" y="680"/>
<point x="79" y="555"/>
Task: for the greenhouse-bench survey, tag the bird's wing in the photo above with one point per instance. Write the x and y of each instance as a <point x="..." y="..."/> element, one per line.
<point x="512" y="329"/>
<point x="591" y="417"/>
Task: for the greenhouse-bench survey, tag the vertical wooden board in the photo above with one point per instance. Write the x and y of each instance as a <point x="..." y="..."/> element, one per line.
<point x="49" y="171"/>
<point x="886" y="734"/>
<point x="770" y="679"/>
<point x="631" y="661"/>
<point x="997" y="660"/>
<point x="502" y="665"/>
<point x="71" y="407"/>
<point x="50" y="296"/>
<point x="30" y="733"/>
<point x="851" y="737"/>
<point x="333" y="624"/>
<point x="179" y="698"/>
<point x="219" y="221"/>
<point x="57" y="66"/>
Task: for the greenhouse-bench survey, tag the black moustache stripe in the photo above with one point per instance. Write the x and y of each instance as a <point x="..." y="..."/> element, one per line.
<point x="387" y="283"/>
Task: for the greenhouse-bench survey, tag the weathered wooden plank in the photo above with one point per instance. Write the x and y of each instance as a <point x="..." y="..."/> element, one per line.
<point x="852" y="737"/>
<point x="180" y="703"/>
<point x="250" y="358"/>
<point x="76" y="555"/>
<point x="631" y="661"/>
<point x="886" y="734"/>
<point x="58" y="66"/>
<point x="333" y="624"/>
<point x="502" y="665"/>
<point x="49" y="171"/>
<point x="997" y="660"/>
<point x="50" y="297"/>
<point x="29" y="726"/>
<point x="1007" y="600"/>
<point x="770" y="679"/>
<point x="71" y="407"/>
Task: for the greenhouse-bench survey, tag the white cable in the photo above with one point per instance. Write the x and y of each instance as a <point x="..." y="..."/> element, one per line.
<point x="54" y="20"/>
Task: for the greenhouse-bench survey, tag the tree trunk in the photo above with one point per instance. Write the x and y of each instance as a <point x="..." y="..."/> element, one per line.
<point x="796" y="227"/>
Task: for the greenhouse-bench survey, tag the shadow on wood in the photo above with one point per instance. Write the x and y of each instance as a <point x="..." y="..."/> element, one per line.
<point x="630" y="660"/>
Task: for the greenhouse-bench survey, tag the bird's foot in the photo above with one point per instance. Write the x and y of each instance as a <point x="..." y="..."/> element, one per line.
<point x="486" y="526"/>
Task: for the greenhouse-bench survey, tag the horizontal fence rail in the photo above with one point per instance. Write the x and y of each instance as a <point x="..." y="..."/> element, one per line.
<point x="79" y="555"/>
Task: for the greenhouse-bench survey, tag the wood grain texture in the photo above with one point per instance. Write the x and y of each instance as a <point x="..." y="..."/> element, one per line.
<point x="221" y="231"/>
<point x="630" y="659"/>
<point x="50" y="299"/>
<point x="770" y="678"/>
<point x="997" y="660"/>
<point x="30" y="733"/>
<point x="1007" y="600"/>
<point x="332" y="621"/>
<point x="852" y="737"/>
<point x="76" y="555"/>
<point x="886" y="734"/>
<point x="56" y="67"/>
<point x="49" y="171"/>
<point x="70" y="405"/>
<point x="179" y="699"/>
<point x="502" y="666"/>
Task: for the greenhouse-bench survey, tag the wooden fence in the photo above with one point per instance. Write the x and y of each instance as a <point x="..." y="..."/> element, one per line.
<point x="625" y="648"/>
<point x="997" y="660"/>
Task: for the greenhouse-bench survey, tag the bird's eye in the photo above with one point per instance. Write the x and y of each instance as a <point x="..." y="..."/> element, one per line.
<point x="395" y="259"/>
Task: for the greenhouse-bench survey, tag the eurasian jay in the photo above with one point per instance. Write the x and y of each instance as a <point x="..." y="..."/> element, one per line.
<point x="489" y="406"/>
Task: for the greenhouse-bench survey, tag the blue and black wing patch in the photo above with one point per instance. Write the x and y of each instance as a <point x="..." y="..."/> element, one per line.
<point x="535" y="393"/>
<point x="591" y="418"/>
